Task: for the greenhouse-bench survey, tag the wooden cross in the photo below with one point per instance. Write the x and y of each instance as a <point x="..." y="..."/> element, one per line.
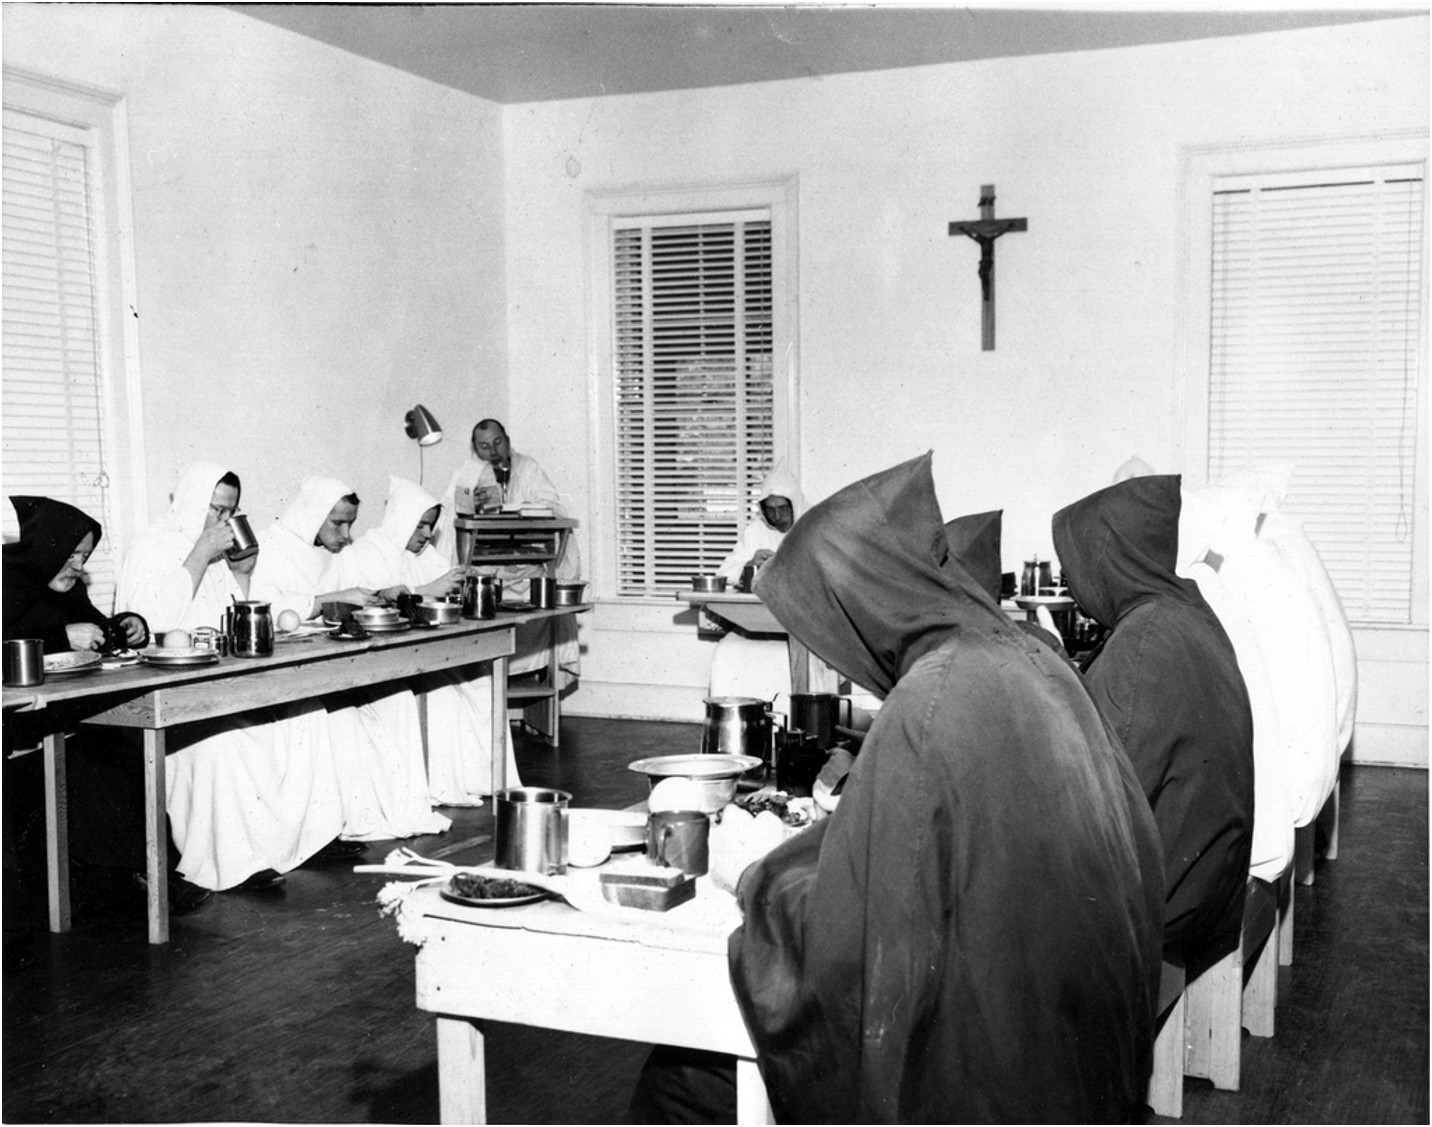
<point x="984" y="231"/>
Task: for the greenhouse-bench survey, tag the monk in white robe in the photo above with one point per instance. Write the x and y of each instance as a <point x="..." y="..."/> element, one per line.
<point x="398" y="556"/>
<point x="377" y="741"/>
<point x="249" y="796"/>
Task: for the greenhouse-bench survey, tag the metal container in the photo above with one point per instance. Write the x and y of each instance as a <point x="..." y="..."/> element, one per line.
<point x="570" y="594"/>
<point x="437" y="612"/>
<point x="708" y="584"/>
<point x="543" y="590"/>
<point x="715" y="776"/>
<point x="531" y="829"/>
<point x="251" y="631"/>
<point x="817" y="714"/>
<point x="24" y="662"/>
<point x="737" y="726"/>
<point x="245" y="542"/>
<point x="480" y="596"/>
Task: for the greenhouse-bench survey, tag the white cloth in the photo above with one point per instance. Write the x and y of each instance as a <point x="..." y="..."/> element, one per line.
<point x="459" y="704"/>
<point x="245" y="793"/>
<point x="153" y="581"/>
<point x="1217" y="525"/>
<point x="376" y="737"/>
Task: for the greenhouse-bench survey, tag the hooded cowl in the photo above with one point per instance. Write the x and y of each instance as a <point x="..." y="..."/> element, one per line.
<point x="380" y="557"/>
<point x="292" y="569"/>
<point x="50" y="531"/>
<point x="1168" y="682"/>
<point x="973" y="935"/>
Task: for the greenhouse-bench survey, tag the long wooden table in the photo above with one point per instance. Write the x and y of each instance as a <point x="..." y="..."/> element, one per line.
<point x="553" y="967"/>
<point x="154" y="699"/>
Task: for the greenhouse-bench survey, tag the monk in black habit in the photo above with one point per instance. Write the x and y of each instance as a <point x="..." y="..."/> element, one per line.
<point x="974" y="934"/>
<point x="1168" y="681"/>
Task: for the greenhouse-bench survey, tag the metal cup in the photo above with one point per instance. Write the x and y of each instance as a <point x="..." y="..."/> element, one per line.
<point x="543" y="590"/>
<point x="680" y="839"/>
<point x="245" y="542"/>
<point x="531" y="829"/>
<point x="25" y="662"/>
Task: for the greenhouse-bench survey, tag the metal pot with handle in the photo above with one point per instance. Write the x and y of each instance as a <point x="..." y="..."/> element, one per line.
<point x="739" y="726"/>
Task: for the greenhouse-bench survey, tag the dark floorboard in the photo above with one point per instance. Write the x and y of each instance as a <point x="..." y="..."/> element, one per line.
<point x="296" y="1005"/>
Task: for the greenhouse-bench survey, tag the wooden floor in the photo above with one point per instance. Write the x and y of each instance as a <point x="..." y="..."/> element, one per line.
<point x="296" y="1005"/>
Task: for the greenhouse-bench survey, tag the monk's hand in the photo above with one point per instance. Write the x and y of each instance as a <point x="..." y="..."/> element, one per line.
<point x="360" y="595"/>
<point x="444" y="584"/>
<point x="737" y="841"/>
<point x="213" y="542"/>
<point x="761" y="557"/>
<point x="84" y="636"/>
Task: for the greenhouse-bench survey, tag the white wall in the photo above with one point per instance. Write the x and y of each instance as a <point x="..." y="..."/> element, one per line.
<point x="318" y="244"/>
<point x="1087" y="146"/>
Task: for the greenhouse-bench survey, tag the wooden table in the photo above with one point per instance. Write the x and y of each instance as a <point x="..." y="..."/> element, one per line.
<point x="746" y="612"/>
<point x="154" y="699"/>
<point x="553" y="967"/>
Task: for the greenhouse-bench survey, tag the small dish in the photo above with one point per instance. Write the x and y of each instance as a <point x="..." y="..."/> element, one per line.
<point x="63" y="664"/>
<point x="488" y="892"/>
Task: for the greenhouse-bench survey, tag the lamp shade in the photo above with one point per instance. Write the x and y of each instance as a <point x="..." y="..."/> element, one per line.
<point x="420" y="424"/>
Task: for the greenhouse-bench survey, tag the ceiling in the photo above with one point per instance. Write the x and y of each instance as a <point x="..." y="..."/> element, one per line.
<point x="539" y="52"/>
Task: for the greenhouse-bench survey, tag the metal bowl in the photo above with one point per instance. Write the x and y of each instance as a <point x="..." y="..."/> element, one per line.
<point x="376" y="616"/>
<point x="710" y="584"/>
<point x="570" y="594"/>
<point x="715" y="776"/>
<point x="438" y="612"/>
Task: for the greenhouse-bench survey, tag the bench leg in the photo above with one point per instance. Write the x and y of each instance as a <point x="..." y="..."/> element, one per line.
<point x="1214" y="1023"/>
<point x="1166" y="1082"/>
<point x="1260" y="995"/>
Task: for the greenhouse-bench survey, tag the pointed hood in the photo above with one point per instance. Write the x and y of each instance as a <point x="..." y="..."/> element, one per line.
<point x="190" y="504"/>
<point x="1118" y="547"/>
<point x="780" y="482"/>
<point x="49" y="531"/>
<point x="307" y="512"/>
<point x="974" y="545"/>
<point x="406" y="505"/>
<point x="865" y="580"/>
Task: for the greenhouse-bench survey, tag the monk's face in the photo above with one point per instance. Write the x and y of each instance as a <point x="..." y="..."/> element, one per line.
<point x="337" y="531"/>
<point x="74" y="567"/>
<point x="424" y="532"/>
<point x="221" y="505"/>
<point x="779" y="513"/>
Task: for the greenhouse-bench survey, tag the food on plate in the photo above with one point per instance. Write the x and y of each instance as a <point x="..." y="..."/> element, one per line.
<point x="791" y="810"/>
<point x="175" y="640"/>
<point x="490" y="888"/>
<point x="288" y="620"/>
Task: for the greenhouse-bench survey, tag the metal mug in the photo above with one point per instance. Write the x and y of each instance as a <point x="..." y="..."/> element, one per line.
<point x="480" y="596"/>
<point x="245" y="542"/>
<point x="818" y="714"/>
<point x="24" y="662"/>
<point x="531" y="829"/>
<point x="680" y="839"/>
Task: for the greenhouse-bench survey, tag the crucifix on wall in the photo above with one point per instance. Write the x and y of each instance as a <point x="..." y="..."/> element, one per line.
<point x="984" y="231"/>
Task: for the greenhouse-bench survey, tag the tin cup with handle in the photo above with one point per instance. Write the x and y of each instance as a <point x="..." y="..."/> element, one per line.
<point x="531" y="829"/>
<point x="24" y="661"/>
<point x="245" y="542"/>
<point x="679" y="839"/>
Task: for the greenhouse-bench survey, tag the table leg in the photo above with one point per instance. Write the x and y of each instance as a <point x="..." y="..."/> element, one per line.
<point x="751" y="1103"/>
<point x="500" y="733"/>
<point x="57" y="832"/>
<point x="156" y="835"/>
<point x="554" y="682"/>
<point x="462" y="1071"/>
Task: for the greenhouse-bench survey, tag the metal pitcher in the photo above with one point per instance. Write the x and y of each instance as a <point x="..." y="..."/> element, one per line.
<point x="739" y="726"/>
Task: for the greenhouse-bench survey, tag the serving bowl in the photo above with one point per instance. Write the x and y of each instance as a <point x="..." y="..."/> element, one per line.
<point x="715" y="776"/>
<point x="709" y="584"/>
<point x="376" y="616"/>
<point x="570" y="594"/>
<point x="437" y="612"/>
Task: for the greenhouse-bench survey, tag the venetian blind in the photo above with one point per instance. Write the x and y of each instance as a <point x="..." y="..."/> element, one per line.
<point x="53" y="429"/>
<point x="1316" y="322"/>
<point x="694" y="397"/>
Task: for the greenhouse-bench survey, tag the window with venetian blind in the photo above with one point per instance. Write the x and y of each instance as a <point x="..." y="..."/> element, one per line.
<point x="57" y="259"/>
<point x="694" y="400"/>
<point x="1314" y="353"/>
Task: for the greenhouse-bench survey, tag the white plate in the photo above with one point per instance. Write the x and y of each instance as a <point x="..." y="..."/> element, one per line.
<point x="701" y="766"/>
<point x="1053" y="602"/>
<point x="626" y="829"/>
<point x="447" y="892"/>
<point x="80" y="661"/>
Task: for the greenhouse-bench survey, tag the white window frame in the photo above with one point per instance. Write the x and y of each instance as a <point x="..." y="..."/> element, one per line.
<point x="603" y="208"/>
<point x="101" y="117"/>
<point x="1202" y="167"/>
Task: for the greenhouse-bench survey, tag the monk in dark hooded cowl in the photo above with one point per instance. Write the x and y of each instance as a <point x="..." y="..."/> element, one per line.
<point x="973" y="935"/>
<point x="1168" y="681"/>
